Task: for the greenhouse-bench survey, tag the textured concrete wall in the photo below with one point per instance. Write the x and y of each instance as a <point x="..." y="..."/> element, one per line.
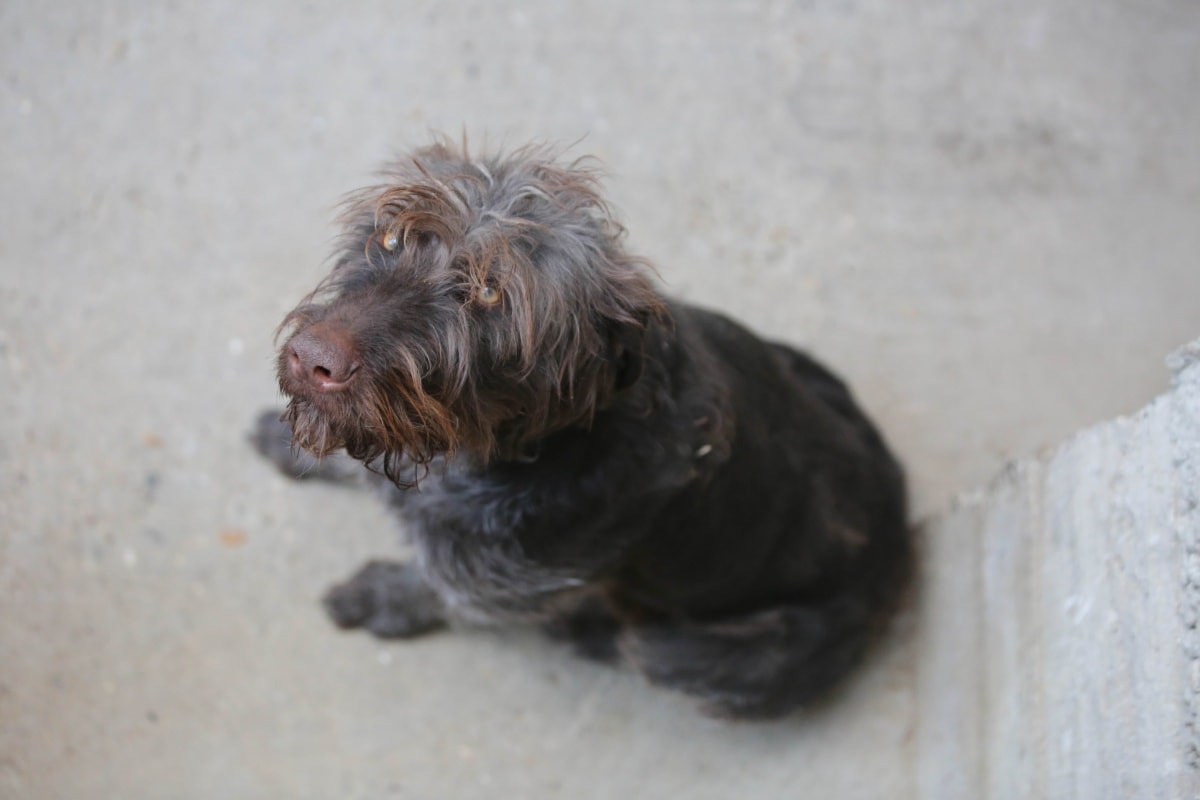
<point x="1060" y="655"/>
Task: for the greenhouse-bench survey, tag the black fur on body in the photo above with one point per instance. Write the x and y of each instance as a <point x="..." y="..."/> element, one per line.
<point x="568" y="447"/>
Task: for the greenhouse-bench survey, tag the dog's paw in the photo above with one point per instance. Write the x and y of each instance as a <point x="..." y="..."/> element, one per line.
<point x="272" y="438"/>
<point x="387" y="599"/>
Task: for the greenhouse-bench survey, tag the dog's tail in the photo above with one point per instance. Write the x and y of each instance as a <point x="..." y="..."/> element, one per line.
<point x="761" y="665"/>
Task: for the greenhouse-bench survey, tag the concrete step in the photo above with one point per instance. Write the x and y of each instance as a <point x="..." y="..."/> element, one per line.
<point x="1058" y="650"/>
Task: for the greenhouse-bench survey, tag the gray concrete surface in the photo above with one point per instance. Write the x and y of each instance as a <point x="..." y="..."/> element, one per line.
<point x="985" y="215"/>
<point x="1058" y="653"/>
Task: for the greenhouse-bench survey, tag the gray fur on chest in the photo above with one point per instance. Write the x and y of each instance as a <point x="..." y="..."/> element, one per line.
<point x="467" y="548"/>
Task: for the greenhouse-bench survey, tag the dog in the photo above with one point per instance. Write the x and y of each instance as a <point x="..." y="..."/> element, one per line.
<point x="569" y="447"/>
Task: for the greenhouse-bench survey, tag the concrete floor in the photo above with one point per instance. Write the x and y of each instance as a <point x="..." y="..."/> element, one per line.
<point x="986" y="215"/>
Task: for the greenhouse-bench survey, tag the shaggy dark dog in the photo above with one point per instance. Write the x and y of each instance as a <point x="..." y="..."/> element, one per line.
<point x="569" y="447"/>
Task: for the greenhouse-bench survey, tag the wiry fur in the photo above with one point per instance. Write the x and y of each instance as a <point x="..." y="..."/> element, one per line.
<point x="647" y="479"/>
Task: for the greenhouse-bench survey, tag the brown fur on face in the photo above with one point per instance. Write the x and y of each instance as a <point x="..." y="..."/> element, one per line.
<point x="489" y="302"/>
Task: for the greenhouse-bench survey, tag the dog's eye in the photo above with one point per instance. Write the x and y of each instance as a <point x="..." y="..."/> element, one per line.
<point x="390" y="241"/>
<point x="489" y="295"/>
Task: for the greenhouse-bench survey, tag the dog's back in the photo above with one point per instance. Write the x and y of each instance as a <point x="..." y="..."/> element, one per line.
<point x="777" y="569"/>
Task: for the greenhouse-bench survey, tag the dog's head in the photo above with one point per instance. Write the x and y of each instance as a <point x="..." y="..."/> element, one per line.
<point x="475" y="305"/>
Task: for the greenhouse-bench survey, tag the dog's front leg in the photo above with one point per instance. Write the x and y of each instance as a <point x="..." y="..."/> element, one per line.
<point x="388" y="598"/>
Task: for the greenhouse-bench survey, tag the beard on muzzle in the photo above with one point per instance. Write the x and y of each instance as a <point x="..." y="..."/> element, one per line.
<point x="389" y="435"/>
<point x="313" y="430"/>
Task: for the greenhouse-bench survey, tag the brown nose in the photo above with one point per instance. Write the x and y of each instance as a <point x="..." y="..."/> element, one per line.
<point x="322" y="357"/>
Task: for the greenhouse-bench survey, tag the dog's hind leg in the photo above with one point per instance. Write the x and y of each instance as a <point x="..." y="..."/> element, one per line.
<point x="590" y="627"/>
<point x="757" y="666"/>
